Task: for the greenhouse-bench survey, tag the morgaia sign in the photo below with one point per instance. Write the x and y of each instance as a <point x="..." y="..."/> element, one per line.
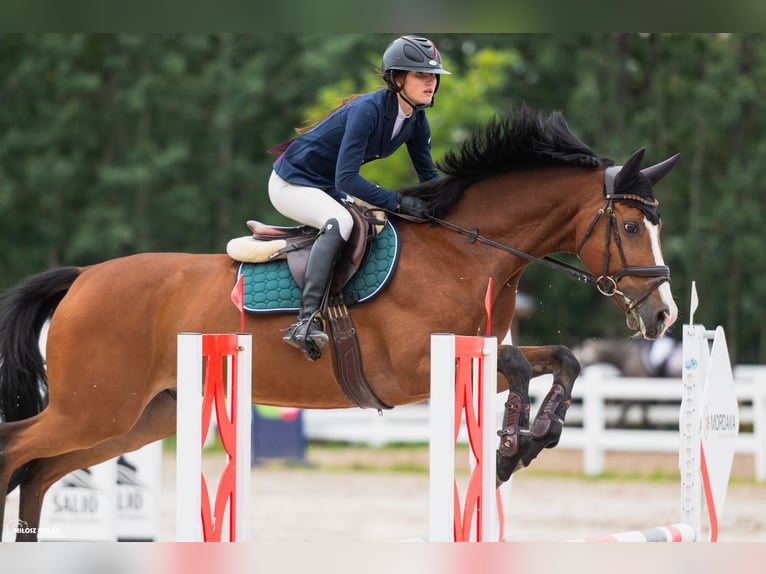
<point x="720" y="423"/>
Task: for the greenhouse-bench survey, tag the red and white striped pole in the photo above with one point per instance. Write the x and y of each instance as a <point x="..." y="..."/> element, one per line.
<point x="680" y="532"/>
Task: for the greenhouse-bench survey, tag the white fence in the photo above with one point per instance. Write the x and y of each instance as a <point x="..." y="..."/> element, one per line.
<point x="598" y="399"/>
<point x="596" y="386"/>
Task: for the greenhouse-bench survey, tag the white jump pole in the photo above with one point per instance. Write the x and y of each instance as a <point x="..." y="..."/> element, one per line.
<point x="695" y="357"/>
<point x="190" y="435"/>
<point x="188" y="426"/>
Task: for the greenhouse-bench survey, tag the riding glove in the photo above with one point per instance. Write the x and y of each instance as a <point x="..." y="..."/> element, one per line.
<point x="414" y="206"/>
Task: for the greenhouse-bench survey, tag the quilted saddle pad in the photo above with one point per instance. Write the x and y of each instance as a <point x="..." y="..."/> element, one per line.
<point x="270" y="288"/>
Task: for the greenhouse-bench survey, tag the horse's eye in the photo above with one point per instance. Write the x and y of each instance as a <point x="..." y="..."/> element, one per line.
<point x="631" y="227"/>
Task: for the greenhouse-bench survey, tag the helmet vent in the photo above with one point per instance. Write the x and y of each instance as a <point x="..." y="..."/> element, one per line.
<point x="414" y="54"/>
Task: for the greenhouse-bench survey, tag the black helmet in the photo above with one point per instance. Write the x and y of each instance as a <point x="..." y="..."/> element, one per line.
<point x="413" y="53"/>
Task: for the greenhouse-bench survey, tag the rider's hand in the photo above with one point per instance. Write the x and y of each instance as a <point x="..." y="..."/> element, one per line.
<point x="414" y="206"/>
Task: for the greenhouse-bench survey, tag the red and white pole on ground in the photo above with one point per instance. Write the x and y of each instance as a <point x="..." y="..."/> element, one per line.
<point x="680" y="532"/>
<point x="224" y="360"/>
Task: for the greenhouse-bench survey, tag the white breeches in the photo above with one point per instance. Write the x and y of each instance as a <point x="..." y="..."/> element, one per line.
<point x="308" y="205"/>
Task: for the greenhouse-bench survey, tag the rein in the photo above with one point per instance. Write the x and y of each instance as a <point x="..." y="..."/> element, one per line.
<point x="473" y="235"/>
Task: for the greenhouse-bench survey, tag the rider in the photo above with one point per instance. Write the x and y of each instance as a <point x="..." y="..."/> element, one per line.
<point x="319" y="169"/>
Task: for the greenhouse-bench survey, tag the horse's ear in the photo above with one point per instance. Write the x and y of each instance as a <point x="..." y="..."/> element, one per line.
<point x="630" y="169"/>
<point x="656" y="172"/>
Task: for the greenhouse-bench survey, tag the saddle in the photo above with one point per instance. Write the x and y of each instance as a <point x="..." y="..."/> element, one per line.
<point x="294" y="244"/>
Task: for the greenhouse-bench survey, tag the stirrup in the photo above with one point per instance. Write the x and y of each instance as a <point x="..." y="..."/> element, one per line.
<point x="301" y="331"/>
<point x="299" y="335"/>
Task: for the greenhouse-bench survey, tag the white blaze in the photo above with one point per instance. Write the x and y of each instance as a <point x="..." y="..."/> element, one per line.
<point x="664" y="289"/>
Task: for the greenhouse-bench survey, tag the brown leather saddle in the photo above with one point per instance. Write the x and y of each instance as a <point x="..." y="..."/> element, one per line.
<point x="347" y="357"/>
<point x="299" y="240"/>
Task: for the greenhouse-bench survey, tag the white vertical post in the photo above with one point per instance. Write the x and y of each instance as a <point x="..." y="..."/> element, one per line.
<point x="442" y="443"/>
<point x="188" y="438"/>
<point x="695" y="362"/>
<point x="594" y="422"/>
<point x="759" y="425"/>
<point x="489" y="439"/>
<point x="244" y="412"/>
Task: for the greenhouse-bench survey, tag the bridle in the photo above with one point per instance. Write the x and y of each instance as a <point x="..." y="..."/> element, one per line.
<point x="606" y="284"/>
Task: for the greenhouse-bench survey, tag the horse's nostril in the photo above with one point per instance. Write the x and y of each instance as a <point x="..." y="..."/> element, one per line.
<point x="663" y="317"/>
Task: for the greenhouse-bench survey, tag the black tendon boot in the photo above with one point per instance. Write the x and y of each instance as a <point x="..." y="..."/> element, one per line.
<point x="306" y="333"/>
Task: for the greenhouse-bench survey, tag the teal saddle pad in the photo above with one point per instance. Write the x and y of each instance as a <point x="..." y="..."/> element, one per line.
<point x="270" y="288"/>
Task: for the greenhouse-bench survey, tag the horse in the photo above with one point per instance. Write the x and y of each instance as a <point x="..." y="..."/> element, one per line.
<point x="530" y="185"/>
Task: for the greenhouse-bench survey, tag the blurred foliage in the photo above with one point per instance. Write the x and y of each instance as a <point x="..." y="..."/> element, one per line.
<point x="112" y="144"/>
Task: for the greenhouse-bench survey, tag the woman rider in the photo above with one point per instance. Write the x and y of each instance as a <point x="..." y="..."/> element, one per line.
<point x="319" y="169"/>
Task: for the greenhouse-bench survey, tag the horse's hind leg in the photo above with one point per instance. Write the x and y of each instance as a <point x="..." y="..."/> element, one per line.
<point x="548" y="423"/>
<point x="157" y="421"/>
<point x="7" y="466"/>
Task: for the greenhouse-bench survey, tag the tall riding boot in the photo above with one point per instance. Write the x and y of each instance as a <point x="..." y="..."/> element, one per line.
<point x="306" y="333"/>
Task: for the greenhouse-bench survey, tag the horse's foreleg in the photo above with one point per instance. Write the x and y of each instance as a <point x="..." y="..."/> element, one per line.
<point x="515" y="438"/>
<point x="548" y="423"/>
<point x="157" y="421"/>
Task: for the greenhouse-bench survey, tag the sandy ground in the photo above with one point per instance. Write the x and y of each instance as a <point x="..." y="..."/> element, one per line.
<point x="359" y="510"/>
<point x="369" y="495"/>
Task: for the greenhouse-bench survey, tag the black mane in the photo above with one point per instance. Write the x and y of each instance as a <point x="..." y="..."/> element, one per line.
<point x="520" y="140"/>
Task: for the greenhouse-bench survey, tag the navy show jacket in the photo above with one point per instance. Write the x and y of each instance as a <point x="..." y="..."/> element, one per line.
<point x="330" y="155"/>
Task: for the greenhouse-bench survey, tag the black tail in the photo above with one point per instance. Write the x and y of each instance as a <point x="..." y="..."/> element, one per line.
<point x="23" y="380"/>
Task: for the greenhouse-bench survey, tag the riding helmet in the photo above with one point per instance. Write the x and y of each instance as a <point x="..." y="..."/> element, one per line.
<point x="412" y="54"/>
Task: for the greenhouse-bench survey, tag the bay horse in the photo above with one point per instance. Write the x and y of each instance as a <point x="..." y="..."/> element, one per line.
<point x="524" y="180"/>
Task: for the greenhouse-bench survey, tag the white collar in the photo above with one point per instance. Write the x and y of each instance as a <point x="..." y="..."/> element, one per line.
<point x="401" y="113"/>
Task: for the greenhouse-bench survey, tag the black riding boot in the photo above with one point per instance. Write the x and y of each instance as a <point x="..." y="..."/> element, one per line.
<point x="306" y="333"/>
